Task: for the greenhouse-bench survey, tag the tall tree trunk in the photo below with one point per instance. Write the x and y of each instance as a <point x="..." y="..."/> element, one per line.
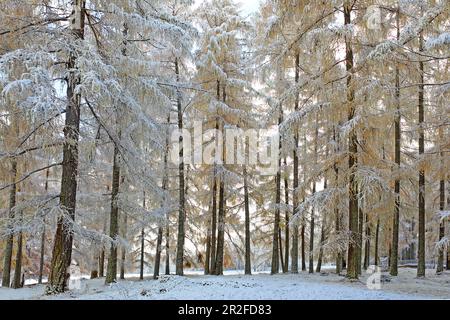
<point x="322" y="233"/>
<point x="101" y="261"/>
<point x="10" y="239"/>
<point x="42" y="253"/>
<point x="158" y="253"/>
<point x="303" y="229"/>
<point x="276" y="225"/>
<point x="248" y="266"/>
<point x="111" y="271"/>
<point x="337" y="213"/>
<point x="208" y="250"/>
<point x="421" y="242"/>
<point x="17" y="281"/>
<point x="123" y="248"/>
<point x="214" y="203"/>
<point x="397" y="135"/>
<point x="167" y="244"/>
<point x="142" y="252"/>
<point x="303" y="246"/>
<point x="164" y="186"/>
<point x="181" y="209"/>
<point x="313" y="209"/>
<point x="377" y="241"/>
<point x="280" y="245"/>
<point x="448" y="246"/>
<point x="294" y="262"/>
<point x="322" y="241"/>
<point x="367" y="244"/>
<point x="440" y="264"/>
<point x="222" y="204"/>
<point x="352" y="259"/>
<point x="311" y="236"/>
<point x="286" y="220"/>
<point x="360" y="238"/>
<point x="62" y="248"/>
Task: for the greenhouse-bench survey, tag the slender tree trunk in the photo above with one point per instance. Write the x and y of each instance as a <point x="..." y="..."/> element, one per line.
<point x="286" y="220"/>
<point x="276" y="226"/>
<point x="42" y="254"/>
<point x="181" y="209"/>
<point x="163" y="204"/>
<point x="397" y="136"/>
<point x="312" y="226"/>
<point x="111" y="271"/>
<point x="440" y="264"/>
<point x="322" y="241"/>
<point x="208" y="250"/>
<point x="322" y="233"/>
<point x="360" y="239"/>
<point x="302" y="232"/>
<point x="448" y="224"/>
<point x="17" y="281"/>
<point x="123" y="249"/>
<point x="421" y="242"/>
<point x="101" y="261"/>
<point x="294" y="263"/>
<point x="367" y="244"/>
<point x="280" y="245"/>
<point x="167" y="245"/>
<point x="377" y="240"/>
<point x="352" y="259"/>
<point x="337" y="213"/>
<point x="10" y="239"/>
<point x="62" y="248"/>
<point x="303" y="241"/>
<point x="214" y="204"/>
<point x="222" y="204"/>
<point x="158" y="253"/>
<point x="142" y="252"/>
<point x="311" y="235"/>
<point x="248" y="266"/>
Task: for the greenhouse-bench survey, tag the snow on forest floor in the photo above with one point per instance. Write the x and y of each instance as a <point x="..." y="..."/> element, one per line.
<point x="235" y="286"/>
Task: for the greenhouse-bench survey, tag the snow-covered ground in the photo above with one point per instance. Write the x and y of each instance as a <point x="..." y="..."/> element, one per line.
<point x="235" y="286"/>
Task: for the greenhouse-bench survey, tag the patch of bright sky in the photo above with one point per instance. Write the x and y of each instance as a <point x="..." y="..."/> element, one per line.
<point x="247" y="6"/>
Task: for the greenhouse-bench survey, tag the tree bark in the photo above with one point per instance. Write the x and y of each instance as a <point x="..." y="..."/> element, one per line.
<point x="352" y="259"/>
<point x="286" y="220"/>
<point x="181" y="209"/>
<point x="421" y="242"/>
<point x="142" y="252"/>
<point x="312" y="226"/>
<point x="10" y="239"/>
<point x="377" y="238"/>
<point x="440" y="264"/>
<point x="276" y="225"/>
<point x="367" y="244"/>
<point x="322" y="234"/>
<point x="167" y="245"/>
<point x="17" y="281"/>
<point x="294" y="259"/>
<point x="397" y="136"/>
<point x="337" y="213"/>
<point x="42" y="253"/>
<point x="111" y="271"/>
<point x="123" y="249"/>
<point x="222" y="204"/>
<point x="248" y="267"/>
<point x="62" y="248"/>
<point x="360" y="238"/>
<point x="214" y="205"/>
